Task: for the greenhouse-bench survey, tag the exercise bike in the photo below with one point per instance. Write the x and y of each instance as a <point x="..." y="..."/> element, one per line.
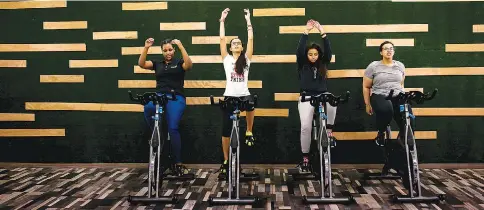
<point x="156" y="172"/>
<point x="235" y="176"/>
<point x="324" y="147"/>
<point x="415" y="193"/>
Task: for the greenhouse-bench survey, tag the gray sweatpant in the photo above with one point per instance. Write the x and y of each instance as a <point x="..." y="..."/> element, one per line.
<point x="306" y="112"/>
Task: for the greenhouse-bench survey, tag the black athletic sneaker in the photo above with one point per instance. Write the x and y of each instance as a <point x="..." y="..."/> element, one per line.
<point x="304" y="166"/>
<point x="249" y="139"/>
<point x="180" y="170"/>
<point x="224" y="168"/>
<point x="380" y="139"/>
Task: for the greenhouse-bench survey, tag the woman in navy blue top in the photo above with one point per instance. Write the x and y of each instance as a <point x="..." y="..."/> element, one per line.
<point x="170" y="77"/>
<point x="312" y="69"/>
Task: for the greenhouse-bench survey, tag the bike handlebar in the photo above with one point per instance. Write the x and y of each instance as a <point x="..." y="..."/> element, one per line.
<point x="326" y="97"/>
<point x="416" y="96"/>
<point x="152" y="96"/>
<point x="233" y="101"/>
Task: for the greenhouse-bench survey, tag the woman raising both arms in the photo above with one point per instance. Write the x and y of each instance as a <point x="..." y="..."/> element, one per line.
<point x="312" y="65"/>
<point x="236" y="66"/>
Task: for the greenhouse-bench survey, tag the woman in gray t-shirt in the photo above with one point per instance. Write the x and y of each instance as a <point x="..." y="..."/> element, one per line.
<point x="380" y="77"/>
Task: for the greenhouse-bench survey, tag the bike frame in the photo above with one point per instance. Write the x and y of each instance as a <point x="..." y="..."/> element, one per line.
<point x="234" y="144"/>
<point x="411" y="150"/>
<point x="323" y="139"/>
<point x="234" y="164"/>
<point x="155" y="151"/>
<point x="324" y="147"/>
<point x="155" y="143"/>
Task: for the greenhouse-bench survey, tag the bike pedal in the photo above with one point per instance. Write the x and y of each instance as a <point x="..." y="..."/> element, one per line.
<point x="381" y="144"/>
<point x="222" y="176"/>
<point x="333" y="143"/>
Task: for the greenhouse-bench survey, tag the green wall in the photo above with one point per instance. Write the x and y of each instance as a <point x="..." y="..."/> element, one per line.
<point x="121" y="136"/>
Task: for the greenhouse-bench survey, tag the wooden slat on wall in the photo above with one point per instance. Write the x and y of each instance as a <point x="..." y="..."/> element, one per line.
<point x="182" y="26"/>
<point x="139" y="70"/>
<point x="449" y="112"/>
<point x="13" y="63"/>
<point x="104" y="107"/>
<point x="137" y="50"/>
<point x="201" y="100"/>
<point x="145" y="6"/>
<point x="278" y="12"/>
<point x="444" y="71"/>
<point x="396" y="42"/>
<point x="371" y="135"/>
<point x="413" y="72"/>
<point x="108" y="63"/>
<point x="279" y="59"/>
<point x="382" y="28"/>
<point x="17" y="117"/>
<point x="60" y="25"/>
<point x="206" y="58"/>
<point x="255" y="59"/>
<point x="218" y="58"/>
<point x="265" y="112"/>
<point x="414" y="89"/>
<point x="42" y="47"/>
<point x="210" y="39"/>
<point x="68" y="106"/>
<point x="136" y="83"/>
<point x="31" y="132"/>
<point x="188" y="84"/>
<point x="478" y="28"/>
<point x="32" y="4"/>
<point x="478" y="47"/>
<point x="61" y="78"/>
<point x="286" y="96"/>
<point x="114" y="35"/>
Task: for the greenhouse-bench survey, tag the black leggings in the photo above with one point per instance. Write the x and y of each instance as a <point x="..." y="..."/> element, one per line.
<point x="227" y="123"/>
<point x="385" y="110"/>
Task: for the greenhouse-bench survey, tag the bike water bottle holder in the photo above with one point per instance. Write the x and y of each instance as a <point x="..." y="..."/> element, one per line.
<point x="323" y="114"/>
<point x="233" y="117"/>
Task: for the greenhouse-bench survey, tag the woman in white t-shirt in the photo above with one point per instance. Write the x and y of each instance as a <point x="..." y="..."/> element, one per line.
<point x="236" y="67"/>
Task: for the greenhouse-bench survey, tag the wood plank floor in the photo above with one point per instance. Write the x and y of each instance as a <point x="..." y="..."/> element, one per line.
<point x="107" y="188"/>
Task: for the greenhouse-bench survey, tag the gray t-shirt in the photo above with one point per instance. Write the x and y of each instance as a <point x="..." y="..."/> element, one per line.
<point x="386" y="77"/>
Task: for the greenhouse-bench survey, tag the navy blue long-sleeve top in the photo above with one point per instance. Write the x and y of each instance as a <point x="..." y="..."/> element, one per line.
<point x="310" y="78"/>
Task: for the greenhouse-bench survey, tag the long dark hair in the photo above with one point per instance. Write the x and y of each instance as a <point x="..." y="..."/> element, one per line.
<point x="320" y="64"/>
<point x="241" y="62"/>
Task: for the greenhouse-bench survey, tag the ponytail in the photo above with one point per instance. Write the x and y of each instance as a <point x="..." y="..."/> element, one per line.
<point x="241" y="63"/>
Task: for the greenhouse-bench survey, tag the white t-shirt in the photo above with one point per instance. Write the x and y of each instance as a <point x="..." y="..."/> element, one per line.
<point x="236" y="84"/>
